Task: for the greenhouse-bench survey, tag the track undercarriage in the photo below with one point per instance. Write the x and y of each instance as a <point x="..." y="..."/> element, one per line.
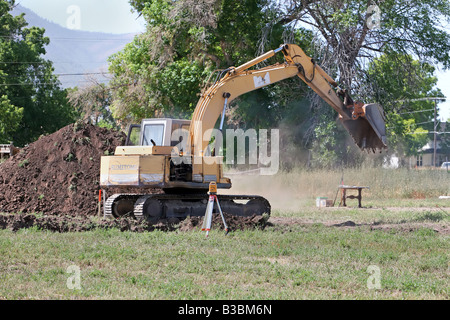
<point x="153" y="207"/>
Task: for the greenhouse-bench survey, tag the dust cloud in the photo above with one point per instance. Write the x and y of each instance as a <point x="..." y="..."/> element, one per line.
<point x="286" y="191"/>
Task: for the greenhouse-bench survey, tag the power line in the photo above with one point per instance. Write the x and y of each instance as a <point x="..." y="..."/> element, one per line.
<point x="23" y="62"/>
<point x="26" y="84"/>
<point x="81" y="74"/>
<point x="67" y="74"/>
<point x="424" y="122"/>
<point x="415" y="111"/>
<point x="89" y="39"/>
<point x="43" y="83"/>
<point x="422" y="99"/>
<point x="54" y="62"/>
<point x="433" y="132"/>
<point x="74" y="39"/>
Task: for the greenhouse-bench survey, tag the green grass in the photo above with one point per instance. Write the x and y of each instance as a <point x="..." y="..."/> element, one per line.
<point x="295" y="262"/>
<point x="306" y="260"/>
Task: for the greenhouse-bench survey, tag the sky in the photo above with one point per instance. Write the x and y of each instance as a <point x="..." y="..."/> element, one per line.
<point x="110" y="16"/>
<point x="444" y="85"/>
<point x="116" y="16"/>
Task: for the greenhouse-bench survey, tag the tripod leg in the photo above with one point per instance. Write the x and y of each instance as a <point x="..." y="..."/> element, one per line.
<point x="223" y="218"/>
<point x="206" y="226"/>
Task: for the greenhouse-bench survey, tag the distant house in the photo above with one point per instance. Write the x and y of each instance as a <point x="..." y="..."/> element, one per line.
<point x="426" y="153"/>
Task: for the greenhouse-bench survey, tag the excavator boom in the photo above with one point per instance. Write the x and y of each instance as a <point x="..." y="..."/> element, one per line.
<point x="364" y="122"/>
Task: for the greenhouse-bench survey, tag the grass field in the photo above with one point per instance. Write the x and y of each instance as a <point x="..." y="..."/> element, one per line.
<point x="395" y="247"/>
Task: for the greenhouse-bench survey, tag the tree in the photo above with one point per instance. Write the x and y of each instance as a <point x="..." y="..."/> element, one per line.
<point x="356" y="31"/>
<point x="92" y="103"/>
<point x="27" y="81"/>
<point x="162" y="71"/>
<point x="402" y="85"/>
<point x="351" y="34"/>
<point x="10" y="117"/>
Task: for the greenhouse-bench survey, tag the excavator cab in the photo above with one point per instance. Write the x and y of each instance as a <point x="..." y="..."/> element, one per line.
<point x="156" y="132"/>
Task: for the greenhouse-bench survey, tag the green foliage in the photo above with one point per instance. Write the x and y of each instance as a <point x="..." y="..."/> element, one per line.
<point x="92" y="102"/>
<point x="399" y="84"/>
<point x="37" y="104"/>
<point x="23" y="163"/>
<point x="10" y="117"/>
<point x="397" y="76"/>
<point x="325" y="143"/>
<point x="332" y="146"/>
<point x="179" y="86"/>
<point x="415" y="27"/>
<point x="163" y="70"/>
<point x="405" y="137"/>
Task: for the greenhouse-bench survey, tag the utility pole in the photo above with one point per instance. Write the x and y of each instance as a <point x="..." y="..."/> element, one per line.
<point x="435" y="134"/>
<point x="435" y="99"/>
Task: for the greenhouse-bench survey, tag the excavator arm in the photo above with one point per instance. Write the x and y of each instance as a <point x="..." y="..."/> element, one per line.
<point x="365" y="123"/>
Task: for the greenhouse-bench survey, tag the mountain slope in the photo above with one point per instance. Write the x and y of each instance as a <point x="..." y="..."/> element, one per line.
<point x="75" y="51"/>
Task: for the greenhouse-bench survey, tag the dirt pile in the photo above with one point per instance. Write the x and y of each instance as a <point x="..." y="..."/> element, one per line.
<point x="59" y="173"/>
<point x="53" y="184"/>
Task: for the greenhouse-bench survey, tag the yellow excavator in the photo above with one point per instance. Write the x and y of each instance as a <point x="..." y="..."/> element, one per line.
<point x="174" y="170"/>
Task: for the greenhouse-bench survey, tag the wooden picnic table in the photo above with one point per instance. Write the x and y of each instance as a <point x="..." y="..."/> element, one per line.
<point x="7" y="150"/>
<point x="344" y="195"/>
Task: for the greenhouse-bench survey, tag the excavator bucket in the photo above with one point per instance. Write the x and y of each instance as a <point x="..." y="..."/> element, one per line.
<point x="369" y="131"/>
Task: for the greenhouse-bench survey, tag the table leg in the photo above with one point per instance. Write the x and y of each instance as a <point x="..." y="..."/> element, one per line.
<point x="359" y="197"/>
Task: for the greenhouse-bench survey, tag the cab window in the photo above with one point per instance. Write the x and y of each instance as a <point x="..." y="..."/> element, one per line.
<point x="153" y="132"/>
<point x="134" y="132"/>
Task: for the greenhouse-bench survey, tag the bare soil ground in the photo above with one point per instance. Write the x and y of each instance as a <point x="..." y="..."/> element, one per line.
<point x="81" y="223"/>
<point x="396" y="227"/>
<point x="61" y="224"/>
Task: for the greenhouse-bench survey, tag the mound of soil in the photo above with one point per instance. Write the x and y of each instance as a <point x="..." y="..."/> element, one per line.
<point x="59" y="173"/>
<point x="58" y="178"/>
